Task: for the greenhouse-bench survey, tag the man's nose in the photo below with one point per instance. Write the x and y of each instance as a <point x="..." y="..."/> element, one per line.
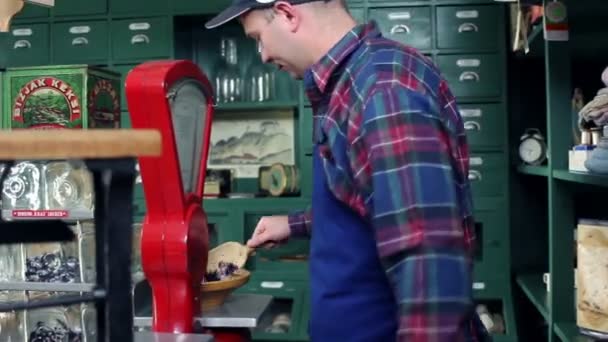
<point x="264" y="56"/>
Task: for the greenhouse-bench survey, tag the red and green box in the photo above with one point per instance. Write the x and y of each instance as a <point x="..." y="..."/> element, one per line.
<point x="61" y="96"/>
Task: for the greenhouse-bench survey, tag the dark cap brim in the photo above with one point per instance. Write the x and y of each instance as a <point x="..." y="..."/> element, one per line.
<point x="226" y="15"/>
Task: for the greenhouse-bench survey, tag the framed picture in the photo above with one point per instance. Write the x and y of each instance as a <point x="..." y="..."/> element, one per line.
<point x="244" y="141"/>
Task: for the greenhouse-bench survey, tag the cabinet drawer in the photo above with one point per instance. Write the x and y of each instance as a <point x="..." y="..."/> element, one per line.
<point x="484" y="124"/>
<point x="30" y="11"/>
<point x="141" y="38"/>
<point x="472" y="75"/>
<point x="491" y="252"/>
<point x="487" y="173"/>
<point x="141" y="7"/>
<point x="29" y="45"/>
<point x="79" y="7"/>
<point x="467" y="27"/>
<point x="408" y="25"/>
<point x="80" y="42"/>
<point x="287" y="304"/>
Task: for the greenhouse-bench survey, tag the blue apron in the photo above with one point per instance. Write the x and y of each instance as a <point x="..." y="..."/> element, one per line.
<point x="351" y="299"/>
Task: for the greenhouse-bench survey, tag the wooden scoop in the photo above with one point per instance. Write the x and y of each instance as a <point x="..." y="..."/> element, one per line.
<point x="8" y="8"/>
<point x="232" y="252"/>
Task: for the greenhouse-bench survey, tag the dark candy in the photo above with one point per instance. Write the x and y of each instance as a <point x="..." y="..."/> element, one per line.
<point x="224" y="270"/>
<point x="50" y="267"/>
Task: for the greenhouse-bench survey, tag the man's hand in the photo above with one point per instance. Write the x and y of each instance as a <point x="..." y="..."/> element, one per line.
<point x="270" y="231"/>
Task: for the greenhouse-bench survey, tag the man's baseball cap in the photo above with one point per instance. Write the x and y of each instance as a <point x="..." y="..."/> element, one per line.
<point x="240" y="7"/>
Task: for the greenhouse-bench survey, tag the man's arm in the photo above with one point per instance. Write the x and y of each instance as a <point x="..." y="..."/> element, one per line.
<point x="403" y="160"/>
<point x="300" y="223"/>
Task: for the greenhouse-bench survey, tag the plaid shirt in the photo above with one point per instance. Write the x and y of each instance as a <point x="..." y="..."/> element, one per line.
<point x="394" y="150"/>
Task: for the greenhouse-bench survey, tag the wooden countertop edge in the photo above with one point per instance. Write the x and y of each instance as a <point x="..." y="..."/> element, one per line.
<point x="25" y="144"/>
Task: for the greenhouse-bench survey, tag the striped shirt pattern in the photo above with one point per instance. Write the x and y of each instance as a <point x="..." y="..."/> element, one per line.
<point x="394" y="150"/>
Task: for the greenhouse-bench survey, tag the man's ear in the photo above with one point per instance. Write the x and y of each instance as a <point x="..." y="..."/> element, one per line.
<point x="289" y="13"/>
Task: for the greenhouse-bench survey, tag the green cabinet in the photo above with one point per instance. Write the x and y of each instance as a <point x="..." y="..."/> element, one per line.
<point x="29" y="45"/>
<point x="288" y="305"/>
<point x="141" y="38"/>
<point x="30" y="11"/>
<point x="358" y="14"/>
<point x="408" y="25"/>
<point x="80" y="42"/>
<point x="123" y="70"/>
<point x="199" y="7"/>
<point x="484" y="125"/>
<point x="141" y="7"/>
<point x="79" y="7"/>
<point x="487" y="173"/>
<point x="467" y="27"/>
<point x="306" y="131"/>
<point x="492" y="246"/>
<point x="472" y="75"/>
<point x="291" y="250"/>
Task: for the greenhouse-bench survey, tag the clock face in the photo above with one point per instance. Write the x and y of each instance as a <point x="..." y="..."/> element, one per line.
<point x="530" y="150"/>
<point x="277" y="180"/>
<point x="188" y="110"/>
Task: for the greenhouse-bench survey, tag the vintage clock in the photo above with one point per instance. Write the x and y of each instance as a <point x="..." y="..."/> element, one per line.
<point x="532" y="147"/>
<point x="176" y="98"/>
<point x="279" y="179"/>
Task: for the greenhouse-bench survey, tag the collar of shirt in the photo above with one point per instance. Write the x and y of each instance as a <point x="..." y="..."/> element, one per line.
<point x="319" y="74"/>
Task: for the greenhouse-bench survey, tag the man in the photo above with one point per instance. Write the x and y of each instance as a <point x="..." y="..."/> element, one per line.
<point x="391" y="223"/>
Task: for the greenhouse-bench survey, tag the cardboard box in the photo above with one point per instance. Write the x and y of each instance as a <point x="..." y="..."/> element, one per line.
<point x="576" y="160"/>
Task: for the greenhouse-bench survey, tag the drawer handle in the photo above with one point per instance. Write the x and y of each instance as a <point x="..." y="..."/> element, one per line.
<point x="272" y="284"/>
<point x="140" y="39"/>
<point x="474" y="175"/>
<point x="400" y="28"/>
<point x="467" y="27"/>
<point x="80" y="41"/>
<point x="22" y="44"/>
<point x="472" y="126"/>
<point x="469" y="76"/>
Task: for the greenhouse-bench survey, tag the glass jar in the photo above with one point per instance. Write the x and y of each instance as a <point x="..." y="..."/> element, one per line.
<point x="260" y="82"/>
<point x="228" y="80"/>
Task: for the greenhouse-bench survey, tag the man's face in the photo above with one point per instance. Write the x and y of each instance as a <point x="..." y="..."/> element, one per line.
<point x="276" y="38"/>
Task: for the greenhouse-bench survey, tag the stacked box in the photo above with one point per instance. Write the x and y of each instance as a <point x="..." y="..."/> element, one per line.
<point x="62" y="96"/>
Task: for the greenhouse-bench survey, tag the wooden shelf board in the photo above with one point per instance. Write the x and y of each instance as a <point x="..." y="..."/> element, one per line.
<point x="533" y="170"/>
<point x="535" y="290"/>
<point x="581" y="177"/>
<point x="568" y="332"/>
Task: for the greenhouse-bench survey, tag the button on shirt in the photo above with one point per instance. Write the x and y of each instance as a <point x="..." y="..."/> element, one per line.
<point x="394" y="150"/>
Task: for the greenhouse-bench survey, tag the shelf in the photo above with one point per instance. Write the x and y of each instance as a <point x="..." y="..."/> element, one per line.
<point x="581" y="177"/>
<point x="535" y="290"/>
<point x="269" y="105"/>
<point x="57" y="287"/>
<point x="568" y="332"/>
<point x="533" y="170"/>
<point x="51" y="287"/>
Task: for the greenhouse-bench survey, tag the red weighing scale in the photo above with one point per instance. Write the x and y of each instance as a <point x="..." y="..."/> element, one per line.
<point x="176" y="98"/>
